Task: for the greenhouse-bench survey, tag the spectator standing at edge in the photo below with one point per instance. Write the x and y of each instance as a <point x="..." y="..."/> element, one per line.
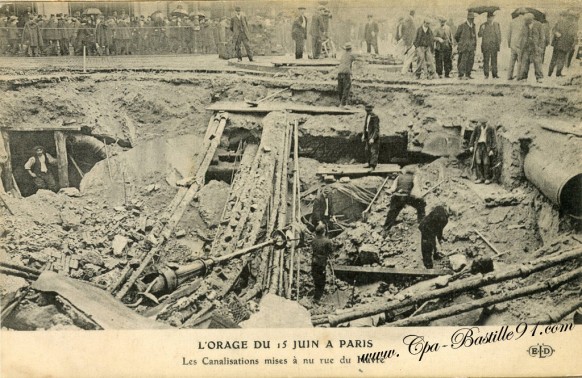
<point x="514" y="42"/>
<point x="317" y="32"/>
<point x="531" y="49"/>
<point x="424" y="43"/>
<point x="466" y="38"/>
<point x="444" y="49"/>
<point x="299" y="33"/>
<point x="490" y="34"/>
<point x="563" y="41"/>
<point x="371" y="35"/>
<point x="408" y="35"/>
<point x="240" y="29"/>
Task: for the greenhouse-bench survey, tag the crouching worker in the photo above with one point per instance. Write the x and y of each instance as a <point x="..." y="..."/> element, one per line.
<point x="38" y="167"/>
<point x="431" y="229"/>
<point x="322" y="249"/>
<point x="405" y="191"/>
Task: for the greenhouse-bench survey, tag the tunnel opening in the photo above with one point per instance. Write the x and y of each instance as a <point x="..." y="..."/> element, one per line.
<point x="571" y="196"/>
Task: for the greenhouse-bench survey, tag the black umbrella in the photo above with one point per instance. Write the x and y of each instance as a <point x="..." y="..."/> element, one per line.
<point x="90" y="11"/>
<point x="484" y="9"/>
<point x="179" y="12"/>
<point x="538" y="15"/>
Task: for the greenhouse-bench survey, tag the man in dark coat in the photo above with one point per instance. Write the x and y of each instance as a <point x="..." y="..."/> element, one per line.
<point x="484" y="147"/>
<point x="322" y="249"/>
<point x="405" y="191"/>
<point x="466" y="38"/>
<point x="532" y="45"/>
<point x="38" y="167"/>
<point x="443" y="48"/>
<point x="317" y="32"/>
<point x="299" y="33"/>
<point x="32" y="37"/>
<point x="371" y="34"/>
<point x="371" y="137"/>
<point x="408" y="32"/>
<point x="431" y="230"/>
<point x="563" y="41"/>
<point x="424" y="43"/>
<point x="322" y="211"/>
<point x="240" y="34"/>
<point x="490" y="34"/>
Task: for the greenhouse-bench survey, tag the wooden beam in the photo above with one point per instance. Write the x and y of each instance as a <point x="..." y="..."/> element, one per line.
<point x="391" y="271"/>
<point x="62" y="160"/>
<point x="31" y="128"/>
<point x="7" y="170"/>
<point x="267" y="107"/>
<point x="352" y="170"/>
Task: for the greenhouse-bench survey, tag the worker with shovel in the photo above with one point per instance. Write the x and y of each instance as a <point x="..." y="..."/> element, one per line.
<point x="322" y="248"/>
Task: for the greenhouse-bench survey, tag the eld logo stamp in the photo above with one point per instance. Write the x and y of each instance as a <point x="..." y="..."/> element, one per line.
<point x="541" y="351"/>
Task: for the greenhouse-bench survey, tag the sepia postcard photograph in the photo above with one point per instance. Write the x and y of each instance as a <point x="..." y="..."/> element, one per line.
<point x="290" y="188"/>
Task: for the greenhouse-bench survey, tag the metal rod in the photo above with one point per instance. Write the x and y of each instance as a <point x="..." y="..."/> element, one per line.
<point x="76" y="166"/>
<point x="488" y="243"/>
<point x="294" y="203"/>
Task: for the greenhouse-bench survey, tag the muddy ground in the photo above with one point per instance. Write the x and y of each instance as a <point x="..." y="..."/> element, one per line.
<point x="163" y="115"/>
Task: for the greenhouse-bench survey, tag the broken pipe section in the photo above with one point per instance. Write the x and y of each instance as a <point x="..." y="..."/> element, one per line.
<point x="559" y="181"/>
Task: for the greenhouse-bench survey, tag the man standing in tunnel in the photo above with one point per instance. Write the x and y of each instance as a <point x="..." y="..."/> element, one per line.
<point x="484" y="147"/>
<point x="371" y="137"/>
<point x="38" y="167"/>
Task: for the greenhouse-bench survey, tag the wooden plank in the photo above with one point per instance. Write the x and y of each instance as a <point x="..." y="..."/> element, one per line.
<point x="357" y="170"/>
<point x="98" y="304"/>
<point x="7" y="169"/>
<point x="563" y="130"/>
<point x="307" y="63"/>
<point x="62" y="160"/>
<point x="267" y="107"/>
<point x="34" y="128"/>
<point x="390" y="271"/>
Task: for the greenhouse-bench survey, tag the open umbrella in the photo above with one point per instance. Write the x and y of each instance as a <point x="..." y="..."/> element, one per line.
<point x="180" y="12"/>
<point x="538" y="15"/>
<point x="90" y="11"/>
<point x="484" y="9"/>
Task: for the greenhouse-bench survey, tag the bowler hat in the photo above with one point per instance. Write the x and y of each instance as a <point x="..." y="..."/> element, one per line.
<point x="348" y="46"/>
<point x="369" y="107"/>
<point x="237" y="9"/>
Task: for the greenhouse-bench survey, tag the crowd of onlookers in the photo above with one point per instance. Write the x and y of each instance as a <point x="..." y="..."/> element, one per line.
<point x="114" y="34"/>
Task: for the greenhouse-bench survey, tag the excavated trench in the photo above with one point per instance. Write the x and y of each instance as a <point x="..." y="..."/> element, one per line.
<point x="161" y="123"/>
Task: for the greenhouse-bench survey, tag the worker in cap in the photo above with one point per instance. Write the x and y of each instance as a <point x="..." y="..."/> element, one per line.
<point x="466" y="38"/>
<point x="344" y="76"/>
<point x="490" y="34"/>
<point x="371" y="137"/>
<point x="371" y="34"/>
<point x="405" y="191"/>
<point x="484" y="148"/>
<point x="322" y="249"/>
<point x="39" y="166"/>
<point x="299" y="32"/>
<point x="241" y="34"/>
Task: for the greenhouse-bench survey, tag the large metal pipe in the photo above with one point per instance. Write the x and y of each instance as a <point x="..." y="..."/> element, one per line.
<point x="559" y="181"/>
